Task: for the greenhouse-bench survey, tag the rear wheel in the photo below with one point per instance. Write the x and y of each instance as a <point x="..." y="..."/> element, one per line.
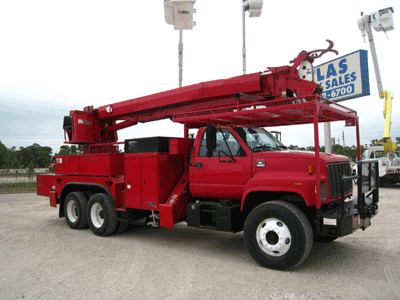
<point x="101" y="215"/>
<point x="75" y="210"/>
<point x="278" y="235"/>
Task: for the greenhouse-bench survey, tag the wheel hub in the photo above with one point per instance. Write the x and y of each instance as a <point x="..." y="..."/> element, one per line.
<point x="72" y="211"/>
<point x="273" y="237"/>
<point x="97" y="215"/>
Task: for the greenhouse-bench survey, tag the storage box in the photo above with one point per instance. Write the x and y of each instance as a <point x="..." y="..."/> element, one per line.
<point x="146" y="145"/>
<point x="104" y="164"/>
<point x="150" y="178"/>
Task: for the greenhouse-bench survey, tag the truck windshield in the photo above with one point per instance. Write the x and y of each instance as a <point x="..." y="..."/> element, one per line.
<point x="258" y="139"/>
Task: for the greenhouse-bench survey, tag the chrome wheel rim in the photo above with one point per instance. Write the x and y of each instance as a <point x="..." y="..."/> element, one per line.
<point x="97" y="215"/>
<point x="273" y="236"/>
<point x="72" y="211"/>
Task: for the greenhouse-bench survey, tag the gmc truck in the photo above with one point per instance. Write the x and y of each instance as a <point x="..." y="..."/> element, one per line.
<point x="233" y="176"/>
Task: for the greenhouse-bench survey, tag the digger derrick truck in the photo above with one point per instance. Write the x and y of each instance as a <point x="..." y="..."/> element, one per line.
<point x="234" y="176"/>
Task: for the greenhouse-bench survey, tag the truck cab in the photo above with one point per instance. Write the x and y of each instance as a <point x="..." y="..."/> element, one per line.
<point x="250" y="160"/>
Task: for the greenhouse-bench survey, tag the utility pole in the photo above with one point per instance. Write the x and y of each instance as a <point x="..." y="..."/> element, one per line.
<point x="254" y="7"/>
<point x="180" y="14"/>
<point x="328" y="138"/>
<point x="344" y="145"/>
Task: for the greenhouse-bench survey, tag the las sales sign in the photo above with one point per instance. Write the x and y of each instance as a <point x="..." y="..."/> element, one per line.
<point x="345" y="77"/>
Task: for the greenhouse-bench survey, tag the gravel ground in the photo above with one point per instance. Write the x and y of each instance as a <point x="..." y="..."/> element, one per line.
<point x="42" y="258"/>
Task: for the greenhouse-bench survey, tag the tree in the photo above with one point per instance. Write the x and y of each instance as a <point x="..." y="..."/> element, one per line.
<point x="64" y="150"/>
<point x="73" y="150"/>
<point x="31" y="171"/>
<point x="40" y="156"/>
<point x="12" y="161"/>
<point x="3" y="155"/>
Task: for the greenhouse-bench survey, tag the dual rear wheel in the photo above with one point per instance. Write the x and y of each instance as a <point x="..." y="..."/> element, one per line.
<point x="97" y="212"/>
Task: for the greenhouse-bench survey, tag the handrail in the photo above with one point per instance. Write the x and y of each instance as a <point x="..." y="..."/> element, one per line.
<point x="372" y="188"/>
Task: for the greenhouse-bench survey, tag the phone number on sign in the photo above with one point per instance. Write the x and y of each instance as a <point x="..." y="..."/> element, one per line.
<point x="339" y="92"/>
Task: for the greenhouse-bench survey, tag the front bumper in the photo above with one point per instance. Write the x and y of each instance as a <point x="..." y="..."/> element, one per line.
<point x="335" y="223"/>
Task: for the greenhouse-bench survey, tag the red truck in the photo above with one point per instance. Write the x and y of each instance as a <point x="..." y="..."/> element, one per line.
<point x="234" y="176"/>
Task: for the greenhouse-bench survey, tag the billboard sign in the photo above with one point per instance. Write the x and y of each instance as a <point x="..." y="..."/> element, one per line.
<point x="344" y="78"/>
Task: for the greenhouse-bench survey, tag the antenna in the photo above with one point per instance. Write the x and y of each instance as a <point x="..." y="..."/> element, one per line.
<point x="254" y="8"/>
<point x="180" y="14"/>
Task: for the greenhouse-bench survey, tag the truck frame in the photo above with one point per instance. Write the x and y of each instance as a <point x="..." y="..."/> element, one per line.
<point x="234" y="176"/>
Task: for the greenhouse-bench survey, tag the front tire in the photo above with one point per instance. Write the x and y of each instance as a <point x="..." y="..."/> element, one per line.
<point x="101" y="215"/>
<point x="278" y="235"/>
<point x="75" y="206"/>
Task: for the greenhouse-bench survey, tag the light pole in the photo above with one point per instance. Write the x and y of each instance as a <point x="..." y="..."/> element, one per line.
<point x="381" y="20"/>
<point x="254" y="7"/>
<point x="180" y="14"/>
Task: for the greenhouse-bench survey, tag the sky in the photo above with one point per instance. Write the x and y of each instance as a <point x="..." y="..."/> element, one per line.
<point x="57" y="56"/>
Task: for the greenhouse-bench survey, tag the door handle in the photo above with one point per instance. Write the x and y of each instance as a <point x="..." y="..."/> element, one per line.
<point x="198" y="165"/>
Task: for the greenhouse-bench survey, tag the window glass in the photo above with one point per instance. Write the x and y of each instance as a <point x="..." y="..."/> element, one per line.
<point x="226" y="145"/>
<point x="260" y="140"/>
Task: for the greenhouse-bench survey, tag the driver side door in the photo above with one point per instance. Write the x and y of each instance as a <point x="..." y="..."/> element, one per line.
<point x="226" y="173"/>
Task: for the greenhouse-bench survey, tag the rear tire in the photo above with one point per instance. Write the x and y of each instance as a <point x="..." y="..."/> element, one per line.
<point x="101" y="215"/>
<point x="75" y="206"/>
<point x="278" y="235"/>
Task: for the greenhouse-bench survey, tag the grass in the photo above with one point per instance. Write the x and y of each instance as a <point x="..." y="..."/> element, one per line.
<point x="19" y="187"/>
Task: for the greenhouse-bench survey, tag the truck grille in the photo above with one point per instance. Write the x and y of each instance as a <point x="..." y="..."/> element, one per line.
<point x="335" y="174"/>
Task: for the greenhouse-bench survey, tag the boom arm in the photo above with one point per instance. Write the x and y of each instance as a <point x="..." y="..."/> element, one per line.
<point x="94" y="126"/>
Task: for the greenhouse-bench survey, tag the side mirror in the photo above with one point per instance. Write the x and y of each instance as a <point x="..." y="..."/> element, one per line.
<point x="211" y="139"/>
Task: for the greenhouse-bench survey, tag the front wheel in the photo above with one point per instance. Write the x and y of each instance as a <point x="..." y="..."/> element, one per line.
<point x="278" y="235"/>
